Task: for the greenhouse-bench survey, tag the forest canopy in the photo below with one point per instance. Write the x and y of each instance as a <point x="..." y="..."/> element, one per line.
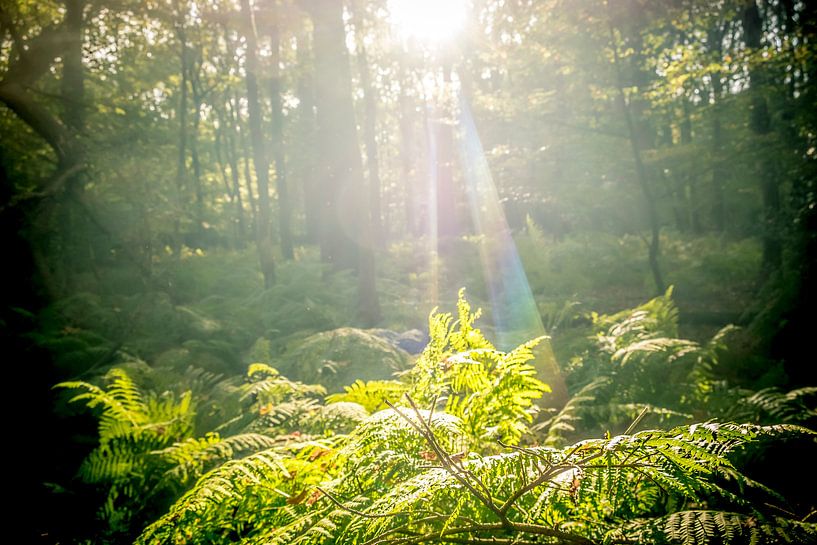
<point x="409" y="271"/>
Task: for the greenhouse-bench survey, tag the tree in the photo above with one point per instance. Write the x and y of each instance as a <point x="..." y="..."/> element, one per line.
<point x="761" y="126"/>
<point x="262" y="219"/>
<point x="284" y="201"/>
<point x="346" y="232"/>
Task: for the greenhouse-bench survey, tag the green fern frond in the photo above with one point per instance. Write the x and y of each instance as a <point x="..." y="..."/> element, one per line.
<point x="266" y="385"/>
<point x="372" y="395"/>
<point x="705" y="527"/>
<point x="191" y="457"/>
<point x="772" y="405"/>
<point x="121" y="401"/>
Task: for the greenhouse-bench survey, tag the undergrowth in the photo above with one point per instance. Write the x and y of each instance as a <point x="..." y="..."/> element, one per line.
<point x="456" y="449"/>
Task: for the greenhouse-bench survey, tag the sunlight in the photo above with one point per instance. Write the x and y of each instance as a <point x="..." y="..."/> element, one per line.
<point x="513" y="307"/>
<point x="431" y="22"/>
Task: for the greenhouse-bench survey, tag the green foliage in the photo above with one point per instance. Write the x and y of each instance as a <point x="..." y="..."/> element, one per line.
<point x="341" y="356"/>
<point x="492" y="392"/>
<point x="634" y="360"/>
<point x="771" y="405"/>
<point x="132" y="426"/>
<point x="387" y="490"/>
<point x="453" y="457"/>
<point x="699" y="527"/>
<point x="372" y="395"/>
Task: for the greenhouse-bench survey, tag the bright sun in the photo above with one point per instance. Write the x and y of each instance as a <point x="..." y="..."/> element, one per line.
<point x="431" y="22"/>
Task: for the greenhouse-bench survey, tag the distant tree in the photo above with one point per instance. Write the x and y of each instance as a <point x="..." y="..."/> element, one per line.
<point x="262" y="230"/>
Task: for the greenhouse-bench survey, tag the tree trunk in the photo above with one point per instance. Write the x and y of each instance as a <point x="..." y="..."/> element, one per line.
<point x="284" y="204"/>
<point x="446" y="209"/>
<point x="369" y="129"/>
<point x="407" y="157"/>
<point x="231" y="185"/>
<point x="346" y="232"/>
<point x="641" y="174"/>
<point x="228" y="136"/>
<point x="262" y="230"/>
<point x="74" y="232"/>
<point x="690" y="179"/>
<point x="718" y="211"/>
<point x="196" y="92"/>
<point x="181" y="112"/>
<point x="240" y="129"/>
<point x="761" y="125"/>
<point x="306" y="128"/>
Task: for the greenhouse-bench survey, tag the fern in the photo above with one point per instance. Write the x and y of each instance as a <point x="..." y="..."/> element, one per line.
<point x="132" y="425"/>
<point x="459" y="471"/>
<point x="493" y="392"/>
<point x="191" y="457"/>
<point x="700" y="527"/>
<point x="372" y="395"/>
<point x="266" y="385"/>
<point x="771" y="405"/>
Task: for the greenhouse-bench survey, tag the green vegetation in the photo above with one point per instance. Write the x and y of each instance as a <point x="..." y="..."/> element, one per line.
<point x="454" y="456"/>
<point x="238" y="235"/>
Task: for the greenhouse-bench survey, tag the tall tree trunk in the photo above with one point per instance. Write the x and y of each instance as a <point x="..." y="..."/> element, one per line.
<point x="234" y="124"/>
<point x="641" y="174"/>
<point x="228" y="136"/>
<point x="240" y="129"/>
<point x="675" y="186"/>
<point x="369" y="128"/>
<point x="446" y="210"/>
<point x="73" y="76"/>
<point x="284" y="203"/>
<point x="262" y="231"/>
<point x="198" y="99"/>
<point x="690" y="179"/>
<point x="407" y="156"/>
<point x="307" y="132"/>
<point x="74" y="232"/>
<point x="224" y="141"/>
<point x="761" y="125"/>
<point x="718" y="211"/>
<point x="181" y="114"/>
<point x="346" y="233"/>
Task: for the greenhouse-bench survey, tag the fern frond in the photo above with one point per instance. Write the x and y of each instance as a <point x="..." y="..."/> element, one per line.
<point x="372" y="395"/>
<point x="266" y="385"/>
<point x="706" y="527"/>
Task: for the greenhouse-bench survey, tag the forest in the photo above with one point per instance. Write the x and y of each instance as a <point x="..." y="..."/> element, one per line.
<point x="396" y="272"/>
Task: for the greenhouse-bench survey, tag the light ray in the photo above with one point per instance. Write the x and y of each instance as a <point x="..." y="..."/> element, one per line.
<point x="513" y="308"/>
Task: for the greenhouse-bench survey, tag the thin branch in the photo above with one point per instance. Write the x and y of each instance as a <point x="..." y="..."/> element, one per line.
<point x="445" y="459"/>
<point x="354" y="511"/>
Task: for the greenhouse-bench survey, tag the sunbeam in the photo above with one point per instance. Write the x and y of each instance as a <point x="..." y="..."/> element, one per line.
<point x="513" y="308"/>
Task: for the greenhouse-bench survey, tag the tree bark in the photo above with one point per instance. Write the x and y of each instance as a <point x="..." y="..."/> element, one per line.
<point x="641" y="174"/>
<point x="284" y="204"/>
<point x="228" y="136"/>
<point x="306" y="126"/>
<point x="446" y="210"/>
<point x="262" y="234"/>
<point x="718" y="211"/>
<point x="407" y="157"/>
<point x="346" y="240"/>
<point x="181" y="112"/>
<point x="369" y="129"/>
<point x="74" y="232"/>
<point x="198" y="99"/>
<point x="760" y="124"/>
<point x="240" y="129"/>
<point x="690" y="179"/>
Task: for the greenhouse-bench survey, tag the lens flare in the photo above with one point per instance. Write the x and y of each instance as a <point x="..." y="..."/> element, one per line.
<point x="431" y="22"/>
<point x="516" y="317"/>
